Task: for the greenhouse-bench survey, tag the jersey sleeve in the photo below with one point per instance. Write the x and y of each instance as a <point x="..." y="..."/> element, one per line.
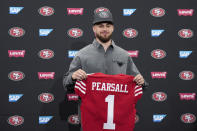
<point x="80" y="88"/>
<point x="138" y="91"/>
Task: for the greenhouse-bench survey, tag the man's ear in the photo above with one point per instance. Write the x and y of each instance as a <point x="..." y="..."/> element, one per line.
<point x="113" y="29"/>
<point x="93" y="28"/>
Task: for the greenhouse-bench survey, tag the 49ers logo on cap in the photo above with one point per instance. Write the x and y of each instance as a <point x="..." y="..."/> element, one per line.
<point x="100" y="9"/>
<point x="185" y="33"/>
<point x="75" y="32"/>
<point x="46" y="54"/>
<point x="157" y="12"/>
<point x="159" y="96"/>
<point x="73" y="119"/>
<point x="188" y="118"/>
<point x="158" y="54"/>
<point x="16" y="75"/>
<point x="103" y="14"/>
<point x="186" y="75"/>
<point x="130" y="33"/>
<point x="46" y="97"/>
<point x="15" y="120"/>
<point x="46" y="11"/>
<point x="16" y="32"/>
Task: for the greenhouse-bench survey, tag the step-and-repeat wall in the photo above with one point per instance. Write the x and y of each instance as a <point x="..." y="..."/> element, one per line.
<point x="39" y="39"/>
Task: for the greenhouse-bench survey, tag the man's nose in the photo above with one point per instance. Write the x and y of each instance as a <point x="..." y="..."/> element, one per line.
<point x="105" y="28"/>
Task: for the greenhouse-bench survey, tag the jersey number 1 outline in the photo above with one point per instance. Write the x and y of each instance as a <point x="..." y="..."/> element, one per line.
<point x="110" y="113"/>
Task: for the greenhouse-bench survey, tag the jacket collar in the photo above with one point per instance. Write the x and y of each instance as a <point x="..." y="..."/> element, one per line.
<point x="97" y="44"/>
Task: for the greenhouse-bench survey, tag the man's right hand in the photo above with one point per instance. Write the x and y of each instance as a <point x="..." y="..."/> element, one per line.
<point x="79" y="75"/>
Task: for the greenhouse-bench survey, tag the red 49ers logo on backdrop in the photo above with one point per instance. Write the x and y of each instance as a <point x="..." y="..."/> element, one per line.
<point x="186" y="75"/>
<point x="157" y="12"/>
<point x="46" y="54"/>
<point x="75" y="32"/>
<point x="188" y="118"/>
<point x="46" y="97"/>
<point x="158" y="54"/>
<point x="46" y="11"/>
<point x="16" y="32"/>
<point x="130" y="33"/>
<point x="159" y="96"/>
<point x="16" y="75"/>
<point x="185" y="33"/>
<point x="73" y="119"/>
<point x="15" y="120"/>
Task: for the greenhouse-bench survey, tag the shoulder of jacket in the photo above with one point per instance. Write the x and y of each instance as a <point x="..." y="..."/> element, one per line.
<point x="121" y="51"/>
<point x="84" y="50"/>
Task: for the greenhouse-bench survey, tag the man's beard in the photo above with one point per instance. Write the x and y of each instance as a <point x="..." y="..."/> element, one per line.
<point x="104" y="39"/>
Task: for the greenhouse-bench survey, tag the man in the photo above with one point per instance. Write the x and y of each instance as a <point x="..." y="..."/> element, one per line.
<point x="103" y="55"/>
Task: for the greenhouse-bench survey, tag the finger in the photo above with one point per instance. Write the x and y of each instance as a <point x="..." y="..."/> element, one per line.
<point x="141" y="82"/>
<point x="78" y="76"/>
<point x="137" y="77"/>
<point x="75" y="76"/>
<point x="83" y="73"/>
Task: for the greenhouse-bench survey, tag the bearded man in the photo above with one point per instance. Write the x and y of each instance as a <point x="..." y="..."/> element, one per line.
<point x="102" y="55"/>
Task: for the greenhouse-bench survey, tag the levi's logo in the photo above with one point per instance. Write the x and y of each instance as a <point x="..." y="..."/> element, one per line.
<point x="185" y="12"/>
<point x="72" y="97"/>
<point x="133" y="53"/>
<point x="187" y="96"/>
<point x="158" y="75"/>
<point x="75" y="11"/>
<point x="46" y="75"/>
<point x="16" y="53"/>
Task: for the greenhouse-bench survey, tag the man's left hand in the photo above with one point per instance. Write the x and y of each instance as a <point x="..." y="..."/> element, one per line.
<point x="139" y="79"/>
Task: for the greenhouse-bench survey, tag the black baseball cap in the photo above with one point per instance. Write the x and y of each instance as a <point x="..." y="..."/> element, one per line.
<point x="103" y="16"/>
